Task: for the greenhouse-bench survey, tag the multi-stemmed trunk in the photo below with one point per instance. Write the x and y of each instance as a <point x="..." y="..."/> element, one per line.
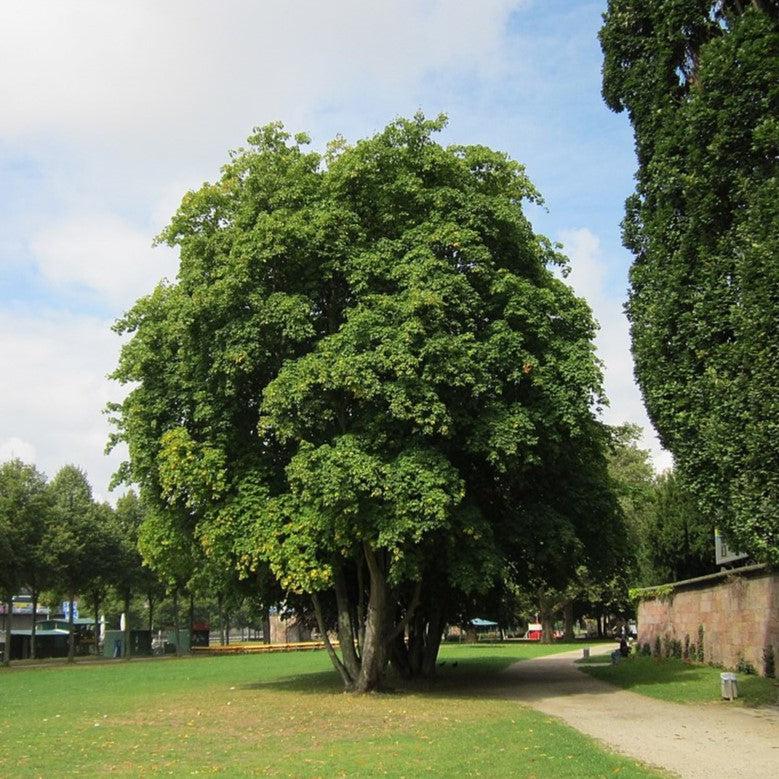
<point x="372" y="632"/>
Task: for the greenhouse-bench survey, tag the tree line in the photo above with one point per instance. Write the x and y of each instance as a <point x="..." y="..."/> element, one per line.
<point x="59" y="544"/>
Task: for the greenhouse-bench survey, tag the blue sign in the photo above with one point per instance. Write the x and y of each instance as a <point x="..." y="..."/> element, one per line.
<point x="66" y="606"/>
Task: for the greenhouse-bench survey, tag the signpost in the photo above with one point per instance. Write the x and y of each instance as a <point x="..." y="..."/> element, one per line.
<point x="723" y="554"/>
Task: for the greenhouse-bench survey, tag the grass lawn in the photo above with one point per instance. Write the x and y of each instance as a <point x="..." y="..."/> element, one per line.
<point x="284" y="715"/>
<point x="680" y="682"/>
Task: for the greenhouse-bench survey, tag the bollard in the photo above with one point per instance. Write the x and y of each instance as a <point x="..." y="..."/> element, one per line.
<point x="586" y="654"/>
<point x="728" y="685"/>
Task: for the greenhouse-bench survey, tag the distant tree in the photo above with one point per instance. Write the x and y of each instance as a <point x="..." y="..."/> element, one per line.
<point x="169" y="549"/>
<point x="24" y="510"/>
<point x="633" y="481"/>
<point x="130" y="575"/>
<point x="106" y="561"/>
<point x="74" y="537"/>
<point x="682" y="538"/>
<point x="700" y="82"/>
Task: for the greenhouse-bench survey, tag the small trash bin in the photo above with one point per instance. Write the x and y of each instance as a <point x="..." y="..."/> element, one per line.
<point x="729" y="685"/>
<point x="585" y="654"/>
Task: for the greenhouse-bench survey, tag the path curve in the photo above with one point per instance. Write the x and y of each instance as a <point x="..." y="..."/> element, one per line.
<point x="690" y="741"/>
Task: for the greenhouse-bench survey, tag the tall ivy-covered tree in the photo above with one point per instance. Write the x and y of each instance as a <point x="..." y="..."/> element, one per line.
<point x="368" y="378"/>
<point x="700" y="82"/>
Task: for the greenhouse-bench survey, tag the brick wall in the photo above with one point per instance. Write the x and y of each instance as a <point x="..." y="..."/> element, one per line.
<point x="739" y="612"/>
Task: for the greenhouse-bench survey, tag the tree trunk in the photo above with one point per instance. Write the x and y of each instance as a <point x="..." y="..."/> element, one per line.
<point x="126" y="633"/>
<point x="435" y="629"/>
<point x="71" y="633"/>
<point x="9" y="609"/>
<point x="191" y="617"/>
<point x="176" y="620"/>
<point x="547" y="623"/>
<point x="96" y="640"/>
<point x="598" y="616"/>
<point x="568" y="618"/>
<point x="34" y="627"/>
<point x="150" y="600"/>
<point x="227" y="627"/>
<point x="373" y="653"/>
<point x="220" y="607"/>
<point x="334" y="659"/>
<point x="345" y="629"/>
<point x="360" y="603"/>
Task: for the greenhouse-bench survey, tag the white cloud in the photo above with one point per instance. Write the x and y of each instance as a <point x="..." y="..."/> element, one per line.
<point x="14" y="448"/>
<point x="172" y="75"/>
<point x="54" y="387"/>
<point x="589" y="271"/>
<point x="103" y="253"/>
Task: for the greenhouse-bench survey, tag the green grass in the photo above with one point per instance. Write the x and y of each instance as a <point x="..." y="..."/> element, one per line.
<point x="680" y="682"/>
<point x="285" y="715"/>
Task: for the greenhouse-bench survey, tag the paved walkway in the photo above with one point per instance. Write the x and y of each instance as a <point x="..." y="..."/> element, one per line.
<point x="690" y="741"/>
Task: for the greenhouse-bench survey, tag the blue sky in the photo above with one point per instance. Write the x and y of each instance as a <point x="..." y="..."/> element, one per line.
<point x="111" y="111"/>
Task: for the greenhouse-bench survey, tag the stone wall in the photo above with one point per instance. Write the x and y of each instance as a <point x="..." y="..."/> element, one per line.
<point x="287" y="630"/>
<point x="739" y="611"/>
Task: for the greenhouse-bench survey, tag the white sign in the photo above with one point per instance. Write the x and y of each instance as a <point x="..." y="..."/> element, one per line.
<point x="723" y="553"/>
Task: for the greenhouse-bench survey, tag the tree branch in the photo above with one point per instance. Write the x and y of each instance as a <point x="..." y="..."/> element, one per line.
<point x="412" y="607"/>
<point x="339" y="666"/>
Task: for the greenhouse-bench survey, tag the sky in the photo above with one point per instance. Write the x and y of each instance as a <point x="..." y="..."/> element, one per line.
<point x="112" y="110"/>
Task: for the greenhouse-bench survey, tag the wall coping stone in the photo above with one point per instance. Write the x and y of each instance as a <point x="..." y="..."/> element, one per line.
<point x="745" y="570"/>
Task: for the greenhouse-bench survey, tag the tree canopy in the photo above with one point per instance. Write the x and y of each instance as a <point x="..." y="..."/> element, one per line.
<point x="368" y="380"/>
<point x="700" y="82"/>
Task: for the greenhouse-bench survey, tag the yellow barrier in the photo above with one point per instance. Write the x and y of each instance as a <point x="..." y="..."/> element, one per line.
<point x="256" y="648"/>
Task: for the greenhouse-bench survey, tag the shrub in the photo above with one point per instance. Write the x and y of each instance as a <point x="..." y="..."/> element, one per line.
<point x="700" y="644"/>
<point x="686" y="652"/>
<point x="769" y="662"/>
<point x="745" y="667"/>
<point x="666" y="646"/>
<point x="676" y="649"/>
<point x="646" y="649"/>
<point x="693" y="653"/>
<point x="657" y="647"/>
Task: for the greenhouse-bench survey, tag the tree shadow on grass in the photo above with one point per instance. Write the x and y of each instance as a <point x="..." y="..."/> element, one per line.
<point x="472" y="678"/>
<point x="495" y="676"/>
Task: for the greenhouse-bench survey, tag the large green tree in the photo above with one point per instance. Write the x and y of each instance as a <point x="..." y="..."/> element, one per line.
<point x="700" y="82"/>
<point x="24" y="512"/>
<point x="368" y="378"/>
<point x="75" y="538"/>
